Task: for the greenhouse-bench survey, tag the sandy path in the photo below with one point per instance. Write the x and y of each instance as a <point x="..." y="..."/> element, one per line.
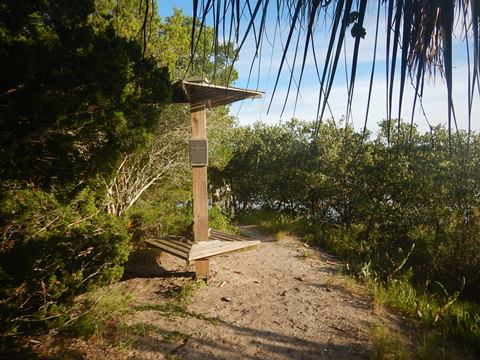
<point x="272" y="302"/>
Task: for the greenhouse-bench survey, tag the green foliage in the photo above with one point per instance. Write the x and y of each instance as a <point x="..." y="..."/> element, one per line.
<point x="183" y="293"/>
<point x="102" y="314"/>
<point x="76" y="94"/>
<point x="164" y="210"/>
<point x="272" y="164"/>
<point x="51" y="252"/>
<point x="221" y="133"/>
<point x="73" y="96"/>
<point x="453" y="320"/>
<point x="99" y="312"/>
<point x="80" y="94"/>
<point x="174" y="50"/>
<point x="308" y="254"/>
<point x="169" y="40"/>
<point x="274" y="222"/>
<point x="217" y="219"/>
<point x="391" y="207"/>
<point x="387" y="345"/>
<point x="404" y="213"/>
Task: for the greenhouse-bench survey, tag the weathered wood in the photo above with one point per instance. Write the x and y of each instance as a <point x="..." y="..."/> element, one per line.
<point x="179" y="245"/>
<point x="215" y="236"/>
<point x="199" y="186"/>
<point x="202" y="269"/>
<point x="168" y="248"/>
<point x="218" y="235"/>
<point x="199" y="90"/>
<point x="199" y="93"/>
<point x="199" y="123"/>
<point x="200" y="204"/>
<point x="211" y="248"/>
<point x="199" y="177"/>
<point x="217" y="244"/>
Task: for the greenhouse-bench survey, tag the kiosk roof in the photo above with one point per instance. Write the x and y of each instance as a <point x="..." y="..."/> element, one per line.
<point x="200" y="90"/>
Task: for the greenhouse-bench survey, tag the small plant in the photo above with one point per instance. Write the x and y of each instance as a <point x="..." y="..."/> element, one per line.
<point x="281" y="235"/>
<point x="345" y="282"/>
<point x="218" y="220"/>
<point x="99" y="312"/>
<point x="174" y="357"/>
<point x="387" y="345"/>
<point x="308" y="254"/>
<point x="309" y="238"/>
<point x="184" y="292"/>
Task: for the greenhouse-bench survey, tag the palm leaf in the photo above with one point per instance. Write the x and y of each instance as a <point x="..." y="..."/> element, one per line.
<point x="359" y="24"/>
<point x="422" y="29"/>
<point x="446" y="20"/>
<point x="373" y="69"/>
<point x="287" y="46"/>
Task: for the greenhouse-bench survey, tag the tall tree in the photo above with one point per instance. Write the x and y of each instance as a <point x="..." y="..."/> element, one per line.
<point x="166" y="154"/>
<point x="73" y="95"/>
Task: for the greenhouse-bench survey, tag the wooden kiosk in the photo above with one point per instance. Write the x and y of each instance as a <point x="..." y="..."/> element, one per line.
<point x="202" y="95"/>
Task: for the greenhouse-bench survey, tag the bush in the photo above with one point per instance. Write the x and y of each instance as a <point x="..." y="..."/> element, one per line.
<point x="162" y="211"/>
<point x="403" y="212"/>
<point x="51" y="252"/>
<point x="217" y="219"/>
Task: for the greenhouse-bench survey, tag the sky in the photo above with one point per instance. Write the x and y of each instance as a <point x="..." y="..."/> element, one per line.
<point x="265" y="71"/>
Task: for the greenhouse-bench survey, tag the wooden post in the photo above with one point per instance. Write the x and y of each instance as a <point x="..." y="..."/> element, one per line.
<point x="202" y="269"/>
<point x="200" y="195"/>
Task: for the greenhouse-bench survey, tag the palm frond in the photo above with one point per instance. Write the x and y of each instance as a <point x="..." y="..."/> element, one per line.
<point x="419" y="37"/>
<point x="372" y="73"/>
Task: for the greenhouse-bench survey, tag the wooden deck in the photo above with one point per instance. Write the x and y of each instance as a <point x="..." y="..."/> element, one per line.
<point x="218" y="243"/>
<point x="176" y="246"/>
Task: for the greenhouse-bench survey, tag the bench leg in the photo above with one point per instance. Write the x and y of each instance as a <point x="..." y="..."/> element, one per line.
<point x="202" y="269"/>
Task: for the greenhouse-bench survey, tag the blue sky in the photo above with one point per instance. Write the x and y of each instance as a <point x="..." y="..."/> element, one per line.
<point x="265" y="72"/>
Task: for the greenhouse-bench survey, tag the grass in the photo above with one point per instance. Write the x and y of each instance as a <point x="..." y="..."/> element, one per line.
<point x="177" y="306"/>
<point x="218" y="220"/>
<point x="386" y="344"/>
<point x="346" y="282"/>
<point x="101" y="316"/>
<point x="448" y="329"/>
<point x="308" y="254"/>
<point x="432" y="347"/>
<point x="274" y="223"/>
<point x="281" y="235"/>
<point x="184" y="292"/>
<point x="143" y="329"/>
<point x="99" y="311"/>
<point x="174" y="357"/>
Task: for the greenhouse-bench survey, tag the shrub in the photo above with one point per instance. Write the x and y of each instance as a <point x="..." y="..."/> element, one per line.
<point x="402" y="211"/>
<point x="217" y="219"/>
<point x="50" y="252"/>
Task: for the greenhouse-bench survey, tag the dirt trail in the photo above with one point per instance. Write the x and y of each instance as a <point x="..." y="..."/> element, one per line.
<point x="281" y="300"/>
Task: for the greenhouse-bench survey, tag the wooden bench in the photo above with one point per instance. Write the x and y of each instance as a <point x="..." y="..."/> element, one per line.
<point x="217" y="244"/>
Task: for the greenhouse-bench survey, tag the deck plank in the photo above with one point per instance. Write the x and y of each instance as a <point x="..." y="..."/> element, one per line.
<point x="204" y="249"/>
<point x="168" y="248"/>
<point x="175" y="244"/>
<point x="215" y="234"/>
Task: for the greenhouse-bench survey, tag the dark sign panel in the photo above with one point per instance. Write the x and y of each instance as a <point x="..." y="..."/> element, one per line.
<point x="198" y="152"/>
